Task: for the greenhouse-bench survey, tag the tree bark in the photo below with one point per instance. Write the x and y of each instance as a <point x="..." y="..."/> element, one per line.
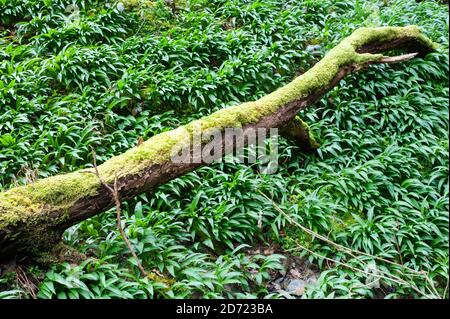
<point x="33" y="217"/>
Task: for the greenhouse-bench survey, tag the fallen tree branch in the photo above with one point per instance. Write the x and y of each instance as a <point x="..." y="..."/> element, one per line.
<point x="33" y="217"/>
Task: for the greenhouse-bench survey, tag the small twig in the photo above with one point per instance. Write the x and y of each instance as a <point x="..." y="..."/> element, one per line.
<point x="396" y="59"/>
<point x="446" y="288"/>
<point x="25" y="283"/>
<point x="338" y="246"/>
<point x="352" y="253"/>
<point x="115" y="194"/>
<point x="398" y="281"/>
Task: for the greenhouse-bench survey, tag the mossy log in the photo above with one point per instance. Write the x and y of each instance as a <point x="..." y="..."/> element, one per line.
<point x="33" y="217"/>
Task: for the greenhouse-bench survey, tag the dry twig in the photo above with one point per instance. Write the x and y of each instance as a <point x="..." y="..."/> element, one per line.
<point x="383" y="275"/>
<point x="115" y="194"/>
<point x="24" y="282"/>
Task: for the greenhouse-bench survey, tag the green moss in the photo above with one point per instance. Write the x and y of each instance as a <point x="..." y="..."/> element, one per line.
<point x="161" y="279"/>
<point x="364" y="36"/>
<point x="311" y="139"/>
<point x="38" y="199"/>
<point x="58" y="191"/>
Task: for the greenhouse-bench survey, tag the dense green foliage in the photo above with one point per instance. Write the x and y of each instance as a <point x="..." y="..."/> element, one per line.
<point x="378" y="184"/>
